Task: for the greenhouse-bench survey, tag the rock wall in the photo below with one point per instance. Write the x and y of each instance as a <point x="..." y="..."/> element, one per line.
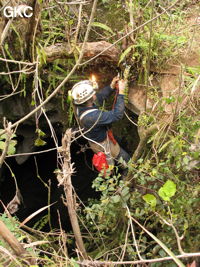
<point x="171" y="78"/>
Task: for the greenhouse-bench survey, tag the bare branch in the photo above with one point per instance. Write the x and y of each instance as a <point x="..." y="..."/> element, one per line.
<point x="67" y="77"/>
<point x="133" y="234"/>
<point x="65" y="180"/>
<point x="129" y="263"/>
<point x="9" y="133"/>
<point x="129" y="33"/>
<point x="17" y="62"/>
<point x="5" y="32"/>
<point x="143" y="140"/>
<point x="62" y="50"/>
<point x="14" y="243"/>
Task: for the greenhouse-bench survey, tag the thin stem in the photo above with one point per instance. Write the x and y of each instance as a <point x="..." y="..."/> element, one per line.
<point x="123" y="37"/>
<point x="67" y="77"/>
<point x="149" y="55"/>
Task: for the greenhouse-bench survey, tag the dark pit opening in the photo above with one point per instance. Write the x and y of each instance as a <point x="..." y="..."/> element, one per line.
<point x="36" y="181"/>
<point x="38" y="184"/>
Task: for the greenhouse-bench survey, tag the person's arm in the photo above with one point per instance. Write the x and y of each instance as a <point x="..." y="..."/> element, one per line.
<point x="99" y="117"/>
<point x="108" y="117"/>
<point x="106" y="91"/>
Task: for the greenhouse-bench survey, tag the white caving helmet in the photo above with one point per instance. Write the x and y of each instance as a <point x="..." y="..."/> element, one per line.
<point x="83" y="91"/>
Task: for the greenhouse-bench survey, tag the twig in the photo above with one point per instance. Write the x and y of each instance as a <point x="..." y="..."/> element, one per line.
<point x="8" y="254"/>
<point x="181" y="81"/>
<point x="17" y="62"/>
<point x="77" y="2"/>
<point x="32" y="153"/>
<point x="25" y="71"/>
<point x="3" y="97"/>
<point x="9" y="75"/>
<point x="5" y="31"/>
<point x="178" y="238"/>
<point x="130" y="119"/>
<point x="163" y="246"/>
<point x="129" y="263"/>
<point x="65" y="180"/>
<point x="13" y="205"/>
<point x="133" y="233"/>
<point x="143" y="141"/>
<point x="9" y="133"/>
<point x="67" y="77"/>
<point x="14" y="243"/>
<point x="31" y="216"/>
<point x="88" y="30"/>
<point x="194" y="87"/>
<point x="149" y="56"/>
<point x="78" y="26"/>
<point x="123" y="37"/>
<point x="125" y="243"/>
<point x="34" y="21"/>
<point x="131" y="19"/>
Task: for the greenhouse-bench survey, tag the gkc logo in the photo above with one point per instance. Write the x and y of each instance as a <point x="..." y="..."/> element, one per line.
<point x="18" y="11"/>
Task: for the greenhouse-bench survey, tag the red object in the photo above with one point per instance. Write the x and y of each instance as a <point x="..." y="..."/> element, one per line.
<point x="111" y="137"/>
<point x="115" y="97"/>
<point x="99" y="161"/>
<point x="117" y="85"/>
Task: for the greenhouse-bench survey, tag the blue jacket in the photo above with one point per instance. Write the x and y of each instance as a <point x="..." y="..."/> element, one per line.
<point x="101" y="119"/>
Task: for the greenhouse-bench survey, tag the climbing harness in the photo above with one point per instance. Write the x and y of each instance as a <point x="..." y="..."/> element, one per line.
<point x="95" y="146"/>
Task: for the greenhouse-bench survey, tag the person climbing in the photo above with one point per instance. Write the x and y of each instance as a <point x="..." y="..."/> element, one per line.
<point x="95" y="122"/>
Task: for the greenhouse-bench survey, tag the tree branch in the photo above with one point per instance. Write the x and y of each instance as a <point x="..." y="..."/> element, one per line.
<point x="129" y="263"/>
<point x="68" y="76"/>
<point x="62" y="50"/>
<point x="65" y="180"/>
<point x="14" y="243"/>
<point x="8" y="138"/>
<point x="143" y="140"/>
<point x="129" y="33"/>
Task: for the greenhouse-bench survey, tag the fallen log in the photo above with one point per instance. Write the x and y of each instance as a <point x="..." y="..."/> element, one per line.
<point x="63" y="50"/>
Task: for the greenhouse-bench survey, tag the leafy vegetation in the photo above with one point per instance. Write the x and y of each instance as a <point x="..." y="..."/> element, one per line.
<point x="11" y="146"/>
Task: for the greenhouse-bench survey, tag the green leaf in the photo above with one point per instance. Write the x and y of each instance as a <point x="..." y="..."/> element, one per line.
<point x="164" y="146"/>
<point x="185" y="227"/>
<point x="103" y="26"/>
<point x="168" y="190"/>
<point x="102" y="187"/>
<point x="3" y="136"/>
<point x="125" y="53"/>
<point x="40" y="132"/>
<point x="2" y="145"/>
<point x="186" y="160"/>
<point x="39" y="142"/>
<point x="33" y="103"/>
<point x="115" y="199"/>
<point x="170" y="99"/>
<point x="11" y="147"/>
<point x="125" y="191"/>
<point x="150" y="199"/>
<point x="70" y="22"/>
<point x="69" y="96"/>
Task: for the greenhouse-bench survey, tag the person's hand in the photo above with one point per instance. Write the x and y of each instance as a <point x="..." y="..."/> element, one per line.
<point x="122" y="86"/>
<point x="114" y="82"/>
